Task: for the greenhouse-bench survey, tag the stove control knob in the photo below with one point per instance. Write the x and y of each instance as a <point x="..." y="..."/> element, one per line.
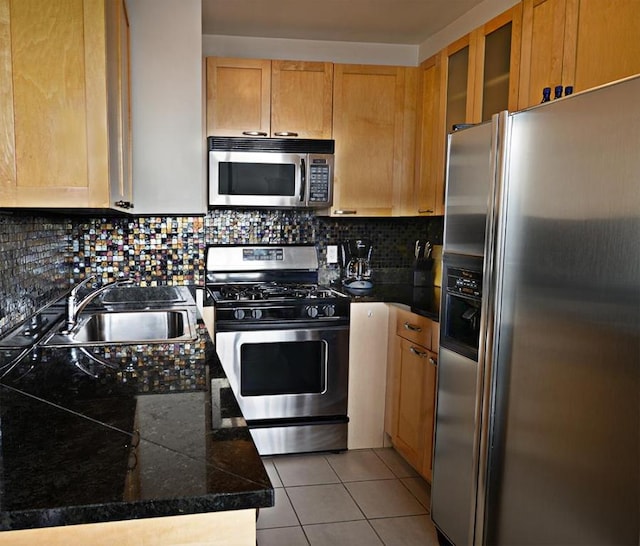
<point x="256" y="314"/>
<point x="312" y="311"/>
<point x="238" y="314"/>
<point x="329" y="310"/>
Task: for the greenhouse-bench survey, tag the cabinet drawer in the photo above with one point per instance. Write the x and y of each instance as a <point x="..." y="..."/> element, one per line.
<point x="415" y="328"/>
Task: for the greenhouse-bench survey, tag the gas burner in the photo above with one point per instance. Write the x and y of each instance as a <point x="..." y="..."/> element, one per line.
<point x="273" y="291"/>
<point x="280" y="290"/>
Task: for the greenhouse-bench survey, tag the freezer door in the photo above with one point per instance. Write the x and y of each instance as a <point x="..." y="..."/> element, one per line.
<point x="469" y="176"/>
<point x="564" y="448"/>
<point x="452" y="486"/>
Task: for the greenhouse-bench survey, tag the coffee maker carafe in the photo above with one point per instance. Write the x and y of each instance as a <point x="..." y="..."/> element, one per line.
<point x="356" y="260"/>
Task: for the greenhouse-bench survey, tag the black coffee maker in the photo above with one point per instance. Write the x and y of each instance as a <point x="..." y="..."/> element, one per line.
<point x="356" y="266"/>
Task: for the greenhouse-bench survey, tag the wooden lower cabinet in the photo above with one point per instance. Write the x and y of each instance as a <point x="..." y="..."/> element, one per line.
<point x="213" y="528"/>
<point x="411" y="389"/>
<point x="367" y="374"/>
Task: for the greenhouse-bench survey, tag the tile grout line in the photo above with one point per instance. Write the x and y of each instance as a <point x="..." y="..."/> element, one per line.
<point x="344" y="483"/>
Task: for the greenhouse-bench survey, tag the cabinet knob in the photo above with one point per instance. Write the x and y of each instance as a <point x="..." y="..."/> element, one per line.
<point x="412" y="327"/>
<point x="433" y="361"/>
<point x="286" y="133"/>
<point x="124" y="204"/>
<point x="254" y="133"/>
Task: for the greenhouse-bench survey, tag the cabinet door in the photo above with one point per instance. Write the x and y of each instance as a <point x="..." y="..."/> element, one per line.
<point x="238" y="97"/>
<point x="459" y="81"/>
<point x="542" y="53"/>
<point x="429" y="189"/>
<point x="54" y="106"/>
<point x="604" y="39"/>
<point x="301" y="99"/>
<point x="414" y="328"/>
<point x="414" y="434"/>
<point x="497" y="64"/>
<point x="367" y="374"/>
<point x="374" y="129"/>
<point x="119" y="97"/>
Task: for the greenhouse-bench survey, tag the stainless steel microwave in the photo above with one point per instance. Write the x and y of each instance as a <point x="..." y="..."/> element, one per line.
<point x="270" y="172"/>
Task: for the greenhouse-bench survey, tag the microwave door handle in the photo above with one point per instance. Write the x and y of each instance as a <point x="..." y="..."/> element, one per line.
<point x="303" y="179"/>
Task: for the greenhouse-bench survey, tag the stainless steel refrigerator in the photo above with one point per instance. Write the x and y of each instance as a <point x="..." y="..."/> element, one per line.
<point x="537" y="435"/>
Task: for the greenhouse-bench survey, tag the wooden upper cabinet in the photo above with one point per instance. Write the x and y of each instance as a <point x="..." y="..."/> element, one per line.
<point x="459" y="81"/>
<point x="56" y="121"/>
<point x="119" y="103"/>
<point x="605" y="37"/>
<point x="238" y="97"/>
<point x="496" y="46"/>
<point x="429" y="175"/>
<point x="579" y="43"/>
<point x="544" y="26"/>
<point x="301" y="99"/>
<point x="256" y="97"/>
<point x="374" y="129"/>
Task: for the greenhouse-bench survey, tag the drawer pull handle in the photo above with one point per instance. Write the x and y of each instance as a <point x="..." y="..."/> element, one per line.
<point x="421" y="354"/>
<point x="254" y="133"/>
<point x="345" y="212"/>
<point x="286" y="133"/>
<point x="412" y="327"/>
<point x="421" y="211"/>
<point x="433" y="361"/>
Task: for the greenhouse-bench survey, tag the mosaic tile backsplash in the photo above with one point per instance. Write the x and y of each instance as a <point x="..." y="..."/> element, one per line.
<point x="42" y="257"/>
<point x="34" y="264"/>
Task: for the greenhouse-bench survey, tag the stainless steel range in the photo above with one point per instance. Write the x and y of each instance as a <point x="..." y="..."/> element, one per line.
<point x="283" y="341"/>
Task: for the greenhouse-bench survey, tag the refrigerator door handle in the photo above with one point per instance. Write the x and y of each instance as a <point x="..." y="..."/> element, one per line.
<point x="491" y="273"/>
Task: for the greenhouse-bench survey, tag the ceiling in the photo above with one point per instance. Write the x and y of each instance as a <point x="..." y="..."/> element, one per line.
<point x="408" y="22"/>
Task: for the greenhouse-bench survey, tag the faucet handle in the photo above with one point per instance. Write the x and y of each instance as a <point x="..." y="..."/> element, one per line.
<point x="82" y="284"/>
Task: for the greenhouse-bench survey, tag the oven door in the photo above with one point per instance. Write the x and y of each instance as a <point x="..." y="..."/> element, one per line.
<point x="287" y="373"/>
<point x="257" y="179"/>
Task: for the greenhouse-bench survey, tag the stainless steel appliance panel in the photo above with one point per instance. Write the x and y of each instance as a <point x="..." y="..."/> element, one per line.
<point x="469" y="174"/>
<point x="565" y="447"/>
<point x="452" y="502"/>
<point x="256" y="179"/>
<point x="300" y="438"/>
<point x="329" y="400"/>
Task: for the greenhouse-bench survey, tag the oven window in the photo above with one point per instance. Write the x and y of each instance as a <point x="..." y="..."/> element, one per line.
<point x="296" y="367"/>
<point x="257" y="179"/>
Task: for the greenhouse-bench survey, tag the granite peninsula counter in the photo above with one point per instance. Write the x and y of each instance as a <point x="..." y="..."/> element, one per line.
<point x="115" y="433"/>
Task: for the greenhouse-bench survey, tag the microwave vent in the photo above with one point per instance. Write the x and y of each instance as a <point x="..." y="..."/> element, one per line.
<point x="280" y="145"/>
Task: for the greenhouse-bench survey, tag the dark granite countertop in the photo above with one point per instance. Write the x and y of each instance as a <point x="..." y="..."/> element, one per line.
<point x="117" y="432"/>
<point x="423" y="300"/>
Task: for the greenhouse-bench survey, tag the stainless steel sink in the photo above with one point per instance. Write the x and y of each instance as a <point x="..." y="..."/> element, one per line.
<point x="129" y="327"/>
<point x="143" y="294"/>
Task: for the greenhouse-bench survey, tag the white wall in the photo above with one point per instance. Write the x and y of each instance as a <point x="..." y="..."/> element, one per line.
<point x="309" y="50"/>
<point x="167" y="107"/>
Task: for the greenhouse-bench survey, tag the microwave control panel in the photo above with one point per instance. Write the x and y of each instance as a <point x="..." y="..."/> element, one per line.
<point x="319" y="180"/>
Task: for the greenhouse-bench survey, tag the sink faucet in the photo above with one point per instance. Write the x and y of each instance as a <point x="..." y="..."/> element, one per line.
<point x="75" y="306"/>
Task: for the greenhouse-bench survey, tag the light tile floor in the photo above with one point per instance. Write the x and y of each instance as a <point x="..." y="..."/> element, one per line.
<point x="359" y="497"/>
